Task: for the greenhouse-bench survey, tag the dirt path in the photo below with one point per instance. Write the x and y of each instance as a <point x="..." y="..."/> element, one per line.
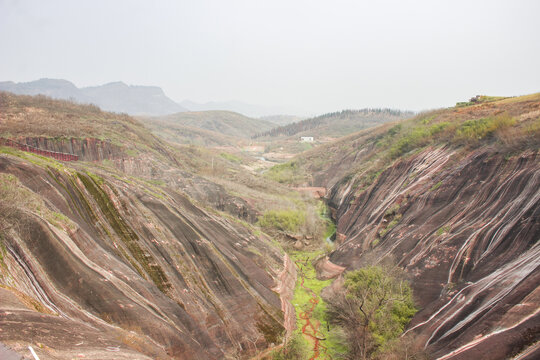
<point x="310" y="329"/>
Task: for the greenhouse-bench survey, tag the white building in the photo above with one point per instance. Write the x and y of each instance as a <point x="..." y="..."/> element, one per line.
<point x="306" y="139"/>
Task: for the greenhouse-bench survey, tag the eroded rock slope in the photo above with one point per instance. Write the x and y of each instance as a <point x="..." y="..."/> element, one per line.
<point x="461" y="215"/>
<point x="111" y="258"/>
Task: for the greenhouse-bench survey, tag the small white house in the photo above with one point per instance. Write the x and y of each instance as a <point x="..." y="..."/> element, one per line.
<point x="308" y="139"/>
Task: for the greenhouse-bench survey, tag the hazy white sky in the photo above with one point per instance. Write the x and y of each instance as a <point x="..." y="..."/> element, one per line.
<point x="305" y="57"/>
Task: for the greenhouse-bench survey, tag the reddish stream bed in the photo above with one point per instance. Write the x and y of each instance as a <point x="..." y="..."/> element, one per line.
<point x="310" y="329"/>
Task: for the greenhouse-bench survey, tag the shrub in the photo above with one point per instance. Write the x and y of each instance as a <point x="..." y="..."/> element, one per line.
<point x="230" y="157"/>
<point x="418" y="137"/>
<point x="390" y="225"/>
<point x="373" y="309"/>
<point x="443" y="230"/>
<point x="286" y="173"/>
<point x="283" y="220"/>
<point x="294" y="349"/>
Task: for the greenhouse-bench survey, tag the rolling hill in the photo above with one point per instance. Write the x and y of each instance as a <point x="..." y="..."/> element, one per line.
<point x="336" y="124"/>
<point x="183" y="134"/>
<point x="222" y="122"/>
<point x="281" y="120"/>
<point x="250" y="110"/>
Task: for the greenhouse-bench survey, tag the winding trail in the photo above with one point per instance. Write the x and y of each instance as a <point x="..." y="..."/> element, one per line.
<point x="311" y="327"/>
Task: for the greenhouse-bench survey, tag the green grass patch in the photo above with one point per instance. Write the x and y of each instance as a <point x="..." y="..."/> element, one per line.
<point x="416" y="137"/>
<point x="156" y="182"/>
<point x="35" y="159"/>
<point x="230" y="157"/>
<point x="436" y="186"/>
<point x="443" y="230"/>
<point x="301" y="301"/>
<point x="392" y="224"/>
<point x="479" y="99"/>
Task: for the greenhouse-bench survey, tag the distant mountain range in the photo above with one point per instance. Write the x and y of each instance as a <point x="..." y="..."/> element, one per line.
<point x="115" y="96"/>
<point x="130" y="99"/>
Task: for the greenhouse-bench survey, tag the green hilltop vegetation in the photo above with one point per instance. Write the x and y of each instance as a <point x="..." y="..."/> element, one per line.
<point x="498" y="122"/>
<point x="337" y="124"/>
<point x="480" y="99"/>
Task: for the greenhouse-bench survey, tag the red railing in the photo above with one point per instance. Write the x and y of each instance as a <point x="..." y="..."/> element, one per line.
<point x="53" y="154"/>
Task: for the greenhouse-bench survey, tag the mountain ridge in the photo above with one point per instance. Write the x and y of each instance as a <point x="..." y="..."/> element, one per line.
<point x="114" y="96"/>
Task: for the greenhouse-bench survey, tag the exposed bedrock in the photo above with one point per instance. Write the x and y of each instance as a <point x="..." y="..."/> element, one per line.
<point x="146" y="166"/>
<point x="109" y="271"/>
<point x="88" y="149"/>
<point x="466" y="228"/>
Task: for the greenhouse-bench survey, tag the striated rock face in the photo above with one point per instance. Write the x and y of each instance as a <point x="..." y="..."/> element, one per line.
<point x="110" y="269"/>
<point x="88" y="149"/>
<point x="285" y="288"/>
<point x="145" y="166"/>
<point x="466" y="228"/>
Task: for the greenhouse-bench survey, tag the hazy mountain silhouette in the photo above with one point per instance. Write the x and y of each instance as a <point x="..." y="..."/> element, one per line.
<point x="115" y="96"/>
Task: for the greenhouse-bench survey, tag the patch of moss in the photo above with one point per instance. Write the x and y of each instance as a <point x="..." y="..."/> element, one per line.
<point x="29" y="301"/>
<point x="270" y="328"/>
<point x="3" y="252"/>
<point x="126" y="234"/>
<point x="230" y="157"/>
<point x="35" y="159"/>
<point x="390" y="225"/>
<point x="436" y="186"/>
<point x="443" y="230"/>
